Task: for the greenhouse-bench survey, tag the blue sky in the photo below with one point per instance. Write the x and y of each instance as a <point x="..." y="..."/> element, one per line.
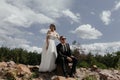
<point x="92" y="23"/>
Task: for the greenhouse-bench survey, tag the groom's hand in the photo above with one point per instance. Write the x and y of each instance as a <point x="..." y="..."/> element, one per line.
<point x="72" y="56"/>
<point x="69" y="59"/>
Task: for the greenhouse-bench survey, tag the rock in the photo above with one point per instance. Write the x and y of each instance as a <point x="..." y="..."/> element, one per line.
<point x="62" y="78"/>
<point x="94" y="68"/>
<point x="11" y="75"/>
<point x="33" y="68"/>
<point x="11" y="64"/>
<point x="3" y="64"/>
<point x="23" y="68"/>
<point x="109" y="75"/>
<point x="12" y="71"/>
<point x="116" y="71"/>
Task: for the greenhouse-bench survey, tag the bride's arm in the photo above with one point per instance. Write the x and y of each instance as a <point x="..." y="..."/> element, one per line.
<point x="47" y="37"/>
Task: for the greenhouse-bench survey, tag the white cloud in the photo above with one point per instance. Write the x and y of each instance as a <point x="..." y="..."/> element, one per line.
<point x="27" y="12"/>
<point x="106" y="14"/>
<point x="18" y="43"/>
<point x="101" y="48"/>
<point x="51" y="8"/>
<point x="18" y="15"/>
<point x="21" y="16"/>
<point x="117" y="6"/>
<point x="87" y="32"/>
<point x="43" y="31"/>
<point x="106" y="17"/>
<point x="93" y="13"/>
<point x="13" y="37"/>
<point x="14" y="42"/>
<point x="31" y="48"/>
<point x="74" y="17"/>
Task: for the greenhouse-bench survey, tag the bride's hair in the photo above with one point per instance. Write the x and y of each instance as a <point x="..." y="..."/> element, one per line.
<point x="52" y="25"/>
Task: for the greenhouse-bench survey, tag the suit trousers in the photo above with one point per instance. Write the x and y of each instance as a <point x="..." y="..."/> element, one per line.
<point x="64" y="63"/>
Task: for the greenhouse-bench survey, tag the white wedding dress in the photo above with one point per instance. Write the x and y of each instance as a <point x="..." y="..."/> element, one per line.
<point x="49" y="56"/>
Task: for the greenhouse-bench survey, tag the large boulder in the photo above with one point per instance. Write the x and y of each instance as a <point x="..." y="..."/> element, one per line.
<point x="23" y="69"/>
<point x="3" y="64"/>
<point x="12" y="71"/>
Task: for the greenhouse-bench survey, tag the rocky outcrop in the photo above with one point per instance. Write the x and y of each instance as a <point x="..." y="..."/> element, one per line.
<point x="12" y="71"/>
<point x="99" y="74"/>
<point x="109" y="75"/>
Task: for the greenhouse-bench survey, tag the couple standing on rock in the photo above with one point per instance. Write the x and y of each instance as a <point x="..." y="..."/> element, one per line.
<point x="52" y="55"/>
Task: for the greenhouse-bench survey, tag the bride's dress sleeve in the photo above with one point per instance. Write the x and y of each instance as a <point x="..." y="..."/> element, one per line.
<point x="48" y="33"/>
<point x="57" y="35"/>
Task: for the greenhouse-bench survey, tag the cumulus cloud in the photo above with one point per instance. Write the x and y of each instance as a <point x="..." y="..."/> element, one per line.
<point x="18" y="15"/>
<point x="87" y="32"/>
<point x="117" y="6"/>
<point x="21" y="16"/>
<point x="43" y="31"/>
<point x="106" y="17"/>
<point x="14" y="42"/>
<point x="51" y="8"/>
<point x="101" y="48"/>
<point x="31" y="48"/>
<point x="27" y="12"/>
<point x="71" y="15"/>
<point x="12" y="37"/>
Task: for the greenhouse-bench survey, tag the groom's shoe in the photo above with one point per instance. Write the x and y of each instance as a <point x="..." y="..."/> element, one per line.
<point x="72" y="75"/>
<point x="67" y="76"/>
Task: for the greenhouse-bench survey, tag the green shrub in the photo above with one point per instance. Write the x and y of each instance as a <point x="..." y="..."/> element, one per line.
<point x="101" y="65"/>
<point x="83" y="64"/>
<point x="35" y="75"/>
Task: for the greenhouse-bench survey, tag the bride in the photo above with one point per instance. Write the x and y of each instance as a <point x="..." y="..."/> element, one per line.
<point x="49" y="53"/>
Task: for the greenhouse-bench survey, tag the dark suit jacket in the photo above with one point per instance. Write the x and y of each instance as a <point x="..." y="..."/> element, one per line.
<point x="62" y="53"/>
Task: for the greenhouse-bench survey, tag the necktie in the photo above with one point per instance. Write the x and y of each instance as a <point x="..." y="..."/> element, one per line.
<point x="64" y="48"/>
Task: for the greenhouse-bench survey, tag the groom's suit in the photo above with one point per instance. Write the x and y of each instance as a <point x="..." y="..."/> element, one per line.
<point x="64" y="52"/>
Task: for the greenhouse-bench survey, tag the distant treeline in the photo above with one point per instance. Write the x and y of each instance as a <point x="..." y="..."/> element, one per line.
<point x="20" y="55"/>
<point x="109" y="60"/>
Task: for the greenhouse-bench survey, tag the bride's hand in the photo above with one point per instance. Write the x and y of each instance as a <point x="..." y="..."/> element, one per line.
<point x="57" y="36"/>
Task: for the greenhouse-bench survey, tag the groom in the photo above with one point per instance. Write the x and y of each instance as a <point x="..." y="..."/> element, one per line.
<point x="65" y="57"/>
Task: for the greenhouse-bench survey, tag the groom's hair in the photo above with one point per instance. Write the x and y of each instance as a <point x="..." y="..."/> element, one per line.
<point x="62" y="37"/>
